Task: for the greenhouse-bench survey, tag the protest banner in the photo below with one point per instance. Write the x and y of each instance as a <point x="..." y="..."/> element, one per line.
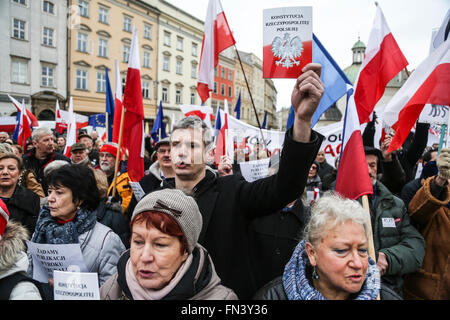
<point x="50" y="257"/>
<point x="287" y="41"/>
<point x="75" y="285"/>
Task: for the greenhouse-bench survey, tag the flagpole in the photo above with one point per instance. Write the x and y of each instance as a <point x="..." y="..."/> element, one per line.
<point x="251" y="98"/>
<point x="116" y="166"/>
<point x="371" y="247"/>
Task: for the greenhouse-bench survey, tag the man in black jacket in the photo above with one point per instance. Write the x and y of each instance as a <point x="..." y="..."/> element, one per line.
<point x="42" y="154"/>
<point x="228" y="203"/>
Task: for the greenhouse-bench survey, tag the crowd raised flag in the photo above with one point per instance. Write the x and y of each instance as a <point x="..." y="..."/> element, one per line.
<point x="237" y="108"/>
<point x="109" y="112"/>
<point x="71" y="130"/>
<point x="117" y="103"/>
<point x="133" y="122"/>
<point x="159" y="127"/>
<point x="216" y="38"/>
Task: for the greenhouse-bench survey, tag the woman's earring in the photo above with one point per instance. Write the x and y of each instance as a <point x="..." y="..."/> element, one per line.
<point x="314" y="274"/>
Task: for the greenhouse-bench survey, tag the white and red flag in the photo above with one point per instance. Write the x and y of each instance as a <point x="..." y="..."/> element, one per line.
<point x="353" y="179"/>
<point x="60" y="125"/>
<point x="133" y="122"/>
<point x="383" y="60"/>
<point x="24" y="127"/>
<point x="203" y="112"/>
<point x="71" y="130"/>
<point x="216" y="38"/>
<point x="31" y="118"/>
<point x="429" y="83"/>
<point x="117" y="102"/>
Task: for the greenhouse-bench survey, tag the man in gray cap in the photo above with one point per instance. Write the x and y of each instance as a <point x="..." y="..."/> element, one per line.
<point x="79" y="155"/>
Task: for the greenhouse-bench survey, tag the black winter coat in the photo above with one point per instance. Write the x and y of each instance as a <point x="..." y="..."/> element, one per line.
<point x="111" y="216"/>
<point x="31" y="162"/>
<point x="24" y="206"/>
<point x="272" y="240"/>
<point x="229" y="203"/>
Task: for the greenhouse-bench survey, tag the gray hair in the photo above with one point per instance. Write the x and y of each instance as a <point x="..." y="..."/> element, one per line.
<point x="194" y="122"/>
<point x="331" y="210"/>
<point x="6" y="148"/>
<point x="39" y="132"/>
<point x="56" y="164"/>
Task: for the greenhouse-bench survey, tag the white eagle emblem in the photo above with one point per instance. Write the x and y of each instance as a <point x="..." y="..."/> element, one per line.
<point x="287" y="50"/>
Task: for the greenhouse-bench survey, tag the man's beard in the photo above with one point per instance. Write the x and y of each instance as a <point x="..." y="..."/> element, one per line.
<point x="106" y="167"/>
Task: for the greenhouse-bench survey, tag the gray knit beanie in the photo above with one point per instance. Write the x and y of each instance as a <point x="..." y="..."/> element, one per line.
<point x="179" y="206"/>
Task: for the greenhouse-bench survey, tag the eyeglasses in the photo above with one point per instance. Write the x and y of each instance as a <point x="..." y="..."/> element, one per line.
<point x="313" y="168"/>
<point x="160" y="150"/>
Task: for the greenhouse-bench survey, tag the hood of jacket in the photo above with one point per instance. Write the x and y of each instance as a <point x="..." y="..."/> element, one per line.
<point x="12" y="248"/>
<point x="155" y="169"/>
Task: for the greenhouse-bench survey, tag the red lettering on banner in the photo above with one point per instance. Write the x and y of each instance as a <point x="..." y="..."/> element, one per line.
<point x="329" y="150"/>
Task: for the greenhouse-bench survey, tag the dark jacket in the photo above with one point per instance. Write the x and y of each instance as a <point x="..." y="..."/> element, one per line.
<point x="394" y="235"/>
<point x="31" y="162"/>
<point x="229" y="203"/>
<point x="409" y="190"/>
<point x="324" y="169"/>
<point x="274" y="290"/>
<point x="111" y="216"/>
<point x="24" y="206"/>
<point x="273" y="238"/>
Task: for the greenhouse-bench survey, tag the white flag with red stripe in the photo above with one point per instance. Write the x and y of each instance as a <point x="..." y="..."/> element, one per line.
<point x="216" y="38"/>
<point x="133" y="122"/>
<point x="353" y="179"/>
<point x="382" y="61"/>
<point x="71" y="130"/>
<point x="203" y="112"/>
<point x="31" y="118"/>
<point x="429" y="83"/>
<point x="117" y="102"/>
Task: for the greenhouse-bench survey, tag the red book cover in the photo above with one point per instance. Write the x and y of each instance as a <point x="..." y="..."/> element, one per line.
<point x="287" y="41"/>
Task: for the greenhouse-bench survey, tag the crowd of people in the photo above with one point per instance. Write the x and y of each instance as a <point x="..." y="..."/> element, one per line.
<point x="200" y="231"/>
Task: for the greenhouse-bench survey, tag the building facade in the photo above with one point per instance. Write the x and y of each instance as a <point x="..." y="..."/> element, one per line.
<point x="33" y="58"/>
<point x="224" y="80"/>
<point x="100" y="31"/>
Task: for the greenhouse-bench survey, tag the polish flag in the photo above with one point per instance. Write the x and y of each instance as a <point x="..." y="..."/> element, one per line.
<point x="24" y="127"/>
<point x="429" y="83"/>
<point x="222" y="143"/>
<point x="117" y="103"/>
<point x="353" y="179"/>
<point x="133" y="122"/>
<point x="71" y="131"/>
<point x="382" y="61"/>
<point x="203" y="112"/>
<point x="60" y="125"/>
<point x="31" y="118"/>
<point x="216" y="38"/>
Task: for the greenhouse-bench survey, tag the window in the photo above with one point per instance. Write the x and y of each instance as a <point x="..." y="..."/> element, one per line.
<point x="103" y="47"/>
<point x="48" y="7"/>
<point x="222" y="89"/>
<point x="19" y="71"/>
<point x="103" y="15"/>
<point x="146" y="59"/>
<point x="193" y="98"/>
<point x="166" y="63"/>
<point x="216" y="72"/>
<point x="19" y="29"/>
<point x="180" y="43"/>
<point x="194" y="49"/>
<point x="222" y="74"/>
<point x="194" y="70"/>
<point x="179" y="66"/>
<point x="178" y="96"/>
<point x="146" y="89"/>
<point x="230" y="75"/>
<point x="126" y="23"/>
<point x="83" y="8"/>
<point x="22" y="2"/>
<point x="47" y="37"/>
<point x="124" y="80"/>
<point x="101" y="82"/>
<point x="165" y="94"/>
<point x="125" y="53"/>
<point x="147" y="31"/>
<point x="215" y="87"/>
<point x="82" y="42"/>
<point x="167" y="38"/>
<point x="47" y="76"/>
<point x="81" y="79"/>
<point x="230" y="93"/>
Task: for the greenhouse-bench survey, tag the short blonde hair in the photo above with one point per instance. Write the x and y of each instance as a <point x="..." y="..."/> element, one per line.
<point x="331" y="210"/>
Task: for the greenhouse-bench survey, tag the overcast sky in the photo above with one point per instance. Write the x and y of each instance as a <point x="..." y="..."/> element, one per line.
<point x="337" y="24"/>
